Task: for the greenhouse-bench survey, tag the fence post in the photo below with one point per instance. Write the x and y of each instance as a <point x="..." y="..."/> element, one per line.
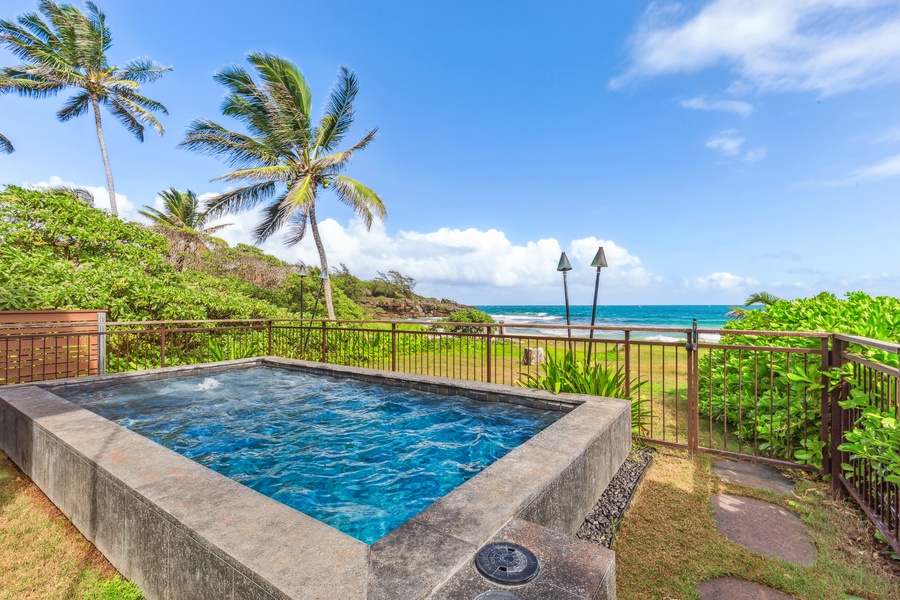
<point x="628" y="363"/>
<point x="162" y="346"/>
<point x="488" y="353"/>
<point x="393" y="346"/>
<point x="101" y="343"/>
<point x="324" y="343"/>
<point x="826" y="409"/>
<point x="270" y="338"/>
<point x="837" y="414"/>
<point x="693" y="416"/>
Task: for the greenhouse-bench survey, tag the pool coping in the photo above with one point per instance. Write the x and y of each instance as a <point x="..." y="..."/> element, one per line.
<point x="180" y="529"/>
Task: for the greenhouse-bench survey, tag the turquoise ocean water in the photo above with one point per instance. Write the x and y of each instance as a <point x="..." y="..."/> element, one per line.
<point x="680" y="316"/>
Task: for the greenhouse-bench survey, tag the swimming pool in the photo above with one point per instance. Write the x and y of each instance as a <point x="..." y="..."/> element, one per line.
<point x="361" y="457"/>
<point x="182" y="530"/>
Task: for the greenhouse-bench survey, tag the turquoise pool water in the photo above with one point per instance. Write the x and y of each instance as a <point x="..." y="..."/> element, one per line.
<point x="360" y="457"/>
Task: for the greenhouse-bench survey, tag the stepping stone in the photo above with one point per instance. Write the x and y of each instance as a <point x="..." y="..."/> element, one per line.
<point x="729" y="588"/>
<point x="764" y="528"/>
<point x="754" y="475"/>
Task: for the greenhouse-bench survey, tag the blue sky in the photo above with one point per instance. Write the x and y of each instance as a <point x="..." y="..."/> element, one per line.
<point x="714" y="148"/>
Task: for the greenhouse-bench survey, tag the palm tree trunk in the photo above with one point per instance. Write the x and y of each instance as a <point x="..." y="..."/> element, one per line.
<point x="109" y="180"/>
<point x="329" y="304"/>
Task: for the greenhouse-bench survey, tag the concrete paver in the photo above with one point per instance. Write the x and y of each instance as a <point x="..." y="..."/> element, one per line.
<point x="729" y="588"/>
<point x="764" y="528"/>
<point x="753" y="475"/>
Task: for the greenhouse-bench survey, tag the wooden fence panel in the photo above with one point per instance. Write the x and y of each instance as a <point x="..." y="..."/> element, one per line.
<point x="51" y="344"/>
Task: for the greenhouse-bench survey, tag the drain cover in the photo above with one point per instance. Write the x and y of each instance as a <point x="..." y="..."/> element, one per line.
<point x="495" y="595"/>
<point x="505" y="562"/>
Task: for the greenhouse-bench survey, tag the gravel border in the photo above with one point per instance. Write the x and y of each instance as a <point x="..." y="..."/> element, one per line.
<point x="602" y="522"/>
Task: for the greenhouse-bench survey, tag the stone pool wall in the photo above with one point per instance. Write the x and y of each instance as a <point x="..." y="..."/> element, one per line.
<point x="180" y="530"/>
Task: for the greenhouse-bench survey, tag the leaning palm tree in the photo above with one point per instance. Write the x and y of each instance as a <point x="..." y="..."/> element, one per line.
<point x="5" y="145"/>
<point x="284" y="160"/>
<point x="63" y="48"/>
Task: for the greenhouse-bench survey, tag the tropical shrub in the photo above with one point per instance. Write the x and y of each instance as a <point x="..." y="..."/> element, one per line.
<point x="875" y="437"/>
<point x="571" y="375"/>
<point x="467" y="315"/>
<point x="774" y="399"/>
<point x="58" y="253"/>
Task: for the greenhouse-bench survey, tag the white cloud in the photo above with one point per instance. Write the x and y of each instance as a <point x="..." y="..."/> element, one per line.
<point x="885" y="168"/>
<point x="450" y="259"/>
<point x="731" y="144"/>
<point x="100" y="194"/>
<point x="727" y="142"/>
<point x="738" y="107"/>
<point x="823" y="46"/>
<point x="725" y="281"/>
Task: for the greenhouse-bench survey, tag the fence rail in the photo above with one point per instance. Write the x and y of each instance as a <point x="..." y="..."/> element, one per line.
<point x="754" y="395"/>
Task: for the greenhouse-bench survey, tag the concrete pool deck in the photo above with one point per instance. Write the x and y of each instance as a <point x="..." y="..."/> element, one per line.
<point x="180" y="530"/>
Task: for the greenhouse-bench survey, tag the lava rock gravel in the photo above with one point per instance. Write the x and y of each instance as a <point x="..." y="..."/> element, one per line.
<point x="602" y="522"/>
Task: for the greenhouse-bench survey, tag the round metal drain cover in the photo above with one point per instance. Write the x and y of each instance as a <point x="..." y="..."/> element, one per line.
<point x="505" y="562"/>
<point x="495" y="595"/>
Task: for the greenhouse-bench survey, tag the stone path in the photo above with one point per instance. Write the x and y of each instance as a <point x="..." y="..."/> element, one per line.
<point x="759" y="526"/>
<point x="764" y="528"/>
<point x="728" y="588"/>
<point x="752" y="475"/>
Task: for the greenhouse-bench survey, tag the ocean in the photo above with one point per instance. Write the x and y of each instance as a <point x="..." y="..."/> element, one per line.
<point x="680" y="316"/>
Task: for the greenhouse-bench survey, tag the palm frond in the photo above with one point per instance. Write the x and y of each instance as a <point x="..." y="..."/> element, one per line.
<point x="764" y="298"/>
<point x="5" y="145"/>
<point x="279" y="173"/>
<point x="130" y="102"/>
<point x="277" y="70"/>
<point x="215" y="228"/>
<point x="240" y="199"/>
<point x="334" y="163"/>
<point x="158" y="217"/>
<point x="296" y="229"/>
<point x="238" y="150"/>
<point x="274" y="218"/>
<point x="339" y="113"/>
<point x="125" y="117"/>
<point x="76" y="106"/>
<point x="142" y="71"/>
<point x="363" y="200"/>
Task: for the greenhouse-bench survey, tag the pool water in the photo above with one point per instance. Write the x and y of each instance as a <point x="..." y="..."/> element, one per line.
<point x="363" y="458"/>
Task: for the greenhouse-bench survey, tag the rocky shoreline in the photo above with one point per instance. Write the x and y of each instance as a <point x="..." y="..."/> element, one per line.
<point x="602" y="522"/>
<point x="410" y="308"/>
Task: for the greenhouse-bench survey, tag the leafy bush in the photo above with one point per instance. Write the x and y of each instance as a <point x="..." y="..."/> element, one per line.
<point x="58" y="253"/>
<point x="875" y="437"/>
<point x="774" y="400"/>
<point x="570" y="375"/>
<point x="467" y="315"/>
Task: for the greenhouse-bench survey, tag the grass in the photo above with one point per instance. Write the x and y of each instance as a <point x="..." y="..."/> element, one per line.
<point x="668" y="542"/>
<point x="42" y="555"/>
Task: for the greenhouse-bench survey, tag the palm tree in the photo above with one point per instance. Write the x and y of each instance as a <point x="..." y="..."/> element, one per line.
<point x="182" y="211"/>
<point x="285" y="160"/>
<point x="5" y="145"/>
<point x="67" y="49"/>
<point x="184" y="225"/>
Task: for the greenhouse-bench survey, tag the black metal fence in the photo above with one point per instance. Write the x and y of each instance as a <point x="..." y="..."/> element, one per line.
<point x="772" y="397"/>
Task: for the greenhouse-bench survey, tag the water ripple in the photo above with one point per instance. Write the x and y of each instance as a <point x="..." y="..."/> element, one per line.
<point x="360" y="457"/>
